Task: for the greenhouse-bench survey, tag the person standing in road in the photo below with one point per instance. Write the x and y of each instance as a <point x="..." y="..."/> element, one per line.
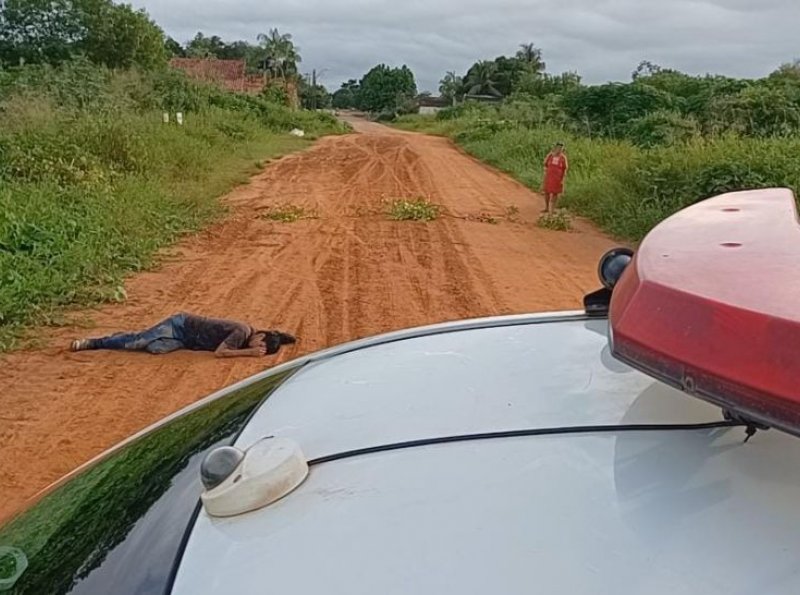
<point x="556" y="167"/>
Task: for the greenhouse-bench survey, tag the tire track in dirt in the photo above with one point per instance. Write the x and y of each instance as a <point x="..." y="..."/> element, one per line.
<point x="346" y="273"/>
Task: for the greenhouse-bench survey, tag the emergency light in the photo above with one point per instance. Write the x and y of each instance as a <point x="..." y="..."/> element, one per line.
<point x="710" y="303"/>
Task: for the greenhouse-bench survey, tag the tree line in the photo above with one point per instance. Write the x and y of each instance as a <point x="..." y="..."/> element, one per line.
<point x="275" y="54"/>
<point x="54" y="31"/>
<point x="659" y="106"/>
<point x="392" y="91"/>
<point x="382" y="90"/>
<point x="118" y="36"/>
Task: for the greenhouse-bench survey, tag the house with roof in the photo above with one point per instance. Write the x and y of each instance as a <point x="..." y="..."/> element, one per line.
<point x="429" y="105"/>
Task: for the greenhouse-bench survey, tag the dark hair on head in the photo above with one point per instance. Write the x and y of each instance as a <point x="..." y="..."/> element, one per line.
<point x="274" y="339"/>
<point x="285" y="338"/>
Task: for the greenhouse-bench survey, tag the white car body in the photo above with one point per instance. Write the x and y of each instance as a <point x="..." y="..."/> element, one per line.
<point x="666" y="512"/>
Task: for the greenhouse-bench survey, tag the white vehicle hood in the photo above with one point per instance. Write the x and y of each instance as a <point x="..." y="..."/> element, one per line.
<point x="662" y="512"/>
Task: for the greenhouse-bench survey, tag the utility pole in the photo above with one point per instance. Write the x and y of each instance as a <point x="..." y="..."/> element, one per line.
<point x="314" y="89"/>
<point x="314" y="75"/>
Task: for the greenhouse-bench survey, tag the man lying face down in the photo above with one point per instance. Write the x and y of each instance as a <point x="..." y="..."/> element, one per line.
<point x="226" y="338"/>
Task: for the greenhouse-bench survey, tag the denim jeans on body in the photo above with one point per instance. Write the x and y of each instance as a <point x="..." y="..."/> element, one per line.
<point x="164" y="337"/>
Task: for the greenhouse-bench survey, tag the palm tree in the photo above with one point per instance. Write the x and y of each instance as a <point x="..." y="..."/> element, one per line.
<point x="282" y="56"/>
<point x="531" y="56"/>
<point x="481" y="79"/>
<point x="450" y="86"/>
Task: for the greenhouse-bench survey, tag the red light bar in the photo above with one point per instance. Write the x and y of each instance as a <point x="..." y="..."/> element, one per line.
<point x="711" y="304"/>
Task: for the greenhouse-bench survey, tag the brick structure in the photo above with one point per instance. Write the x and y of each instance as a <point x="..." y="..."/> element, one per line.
<point x="228" y="74"/>
<point x="231" y="75"/>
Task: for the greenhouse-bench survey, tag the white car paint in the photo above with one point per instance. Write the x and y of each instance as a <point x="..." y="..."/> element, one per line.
<point x="669" y="512"/>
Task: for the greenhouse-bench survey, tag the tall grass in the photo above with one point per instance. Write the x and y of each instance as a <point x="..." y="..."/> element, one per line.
<point x="624" y="188"/>
<point x="92" y="182"/>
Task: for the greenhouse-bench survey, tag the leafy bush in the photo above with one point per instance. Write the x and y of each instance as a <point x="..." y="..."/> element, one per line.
<point x="630" y="197"/>
<point x="662" y="128"/>
<point x="534" y="112"/>
<point x="388" y="116"/>
<point x="606" y="110"/>
<point x="449" y="113"/>
<point x="758" y="111"/>
<point x="556" y="221"/>
<point x="385" y="89"/>
<point x="54" y="31"/>
<point x="469" y="109"/>
<point x="275" y="94"/>
<point x="285" y="213"/>
<point x="418" y="209"/>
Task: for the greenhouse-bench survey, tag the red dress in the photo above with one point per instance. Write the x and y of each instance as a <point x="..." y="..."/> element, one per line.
<point x="555" y="168"/>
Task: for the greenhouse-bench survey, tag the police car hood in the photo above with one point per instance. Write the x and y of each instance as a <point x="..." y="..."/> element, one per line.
<point x="659" y="512"/>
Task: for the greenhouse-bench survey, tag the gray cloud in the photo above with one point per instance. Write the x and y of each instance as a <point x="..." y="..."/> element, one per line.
<point x="601" y="39"/>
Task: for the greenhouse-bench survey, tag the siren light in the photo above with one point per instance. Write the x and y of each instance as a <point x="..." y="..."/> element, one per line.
<point x="710" y="304"/>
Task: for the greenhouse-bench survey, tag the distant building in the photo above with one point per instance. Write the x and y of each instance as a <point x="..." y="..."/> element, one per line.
<point x="227" y="74"/>
<point x="483" y="98"/>
<point x="429" y="106"/>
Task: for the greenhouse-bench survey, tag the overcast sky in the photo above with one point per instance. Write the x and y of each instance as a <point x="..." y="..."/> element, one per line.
<point x="601" y="39"/>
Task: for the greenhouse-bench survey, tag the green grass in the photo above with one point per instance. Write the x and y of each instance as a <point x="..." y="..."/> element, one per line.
<point x="418" y="209"/>
<point x="89" y="195"/>
<point x="428" y="125"/>
<point x="557" y="221"/>
<point x="285" y="213"/>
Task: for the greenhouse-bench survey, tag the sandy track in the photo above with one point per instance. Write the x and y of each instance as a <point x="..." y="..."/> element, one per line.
<point x="345" y="274"/>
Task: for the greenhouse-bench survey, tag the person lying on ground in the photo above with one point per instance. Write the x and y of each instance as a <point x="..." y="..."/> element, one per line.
<point x="226" y="338"/>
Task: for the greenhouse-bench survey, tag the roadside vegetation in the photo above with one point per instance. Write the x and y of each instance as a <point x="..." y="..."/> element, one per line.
<point x="417" y="209"/>
<point x="639" y="151"/>
<point x="558" y="220"/>
<point x="92" y="181"/>
<point x="286" y="213"/>
<point x="384" y="92"/>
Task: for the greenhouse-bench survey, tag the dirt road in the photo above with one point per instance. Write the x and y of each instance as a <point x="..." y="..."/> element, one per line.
<point x="346" y="273"/>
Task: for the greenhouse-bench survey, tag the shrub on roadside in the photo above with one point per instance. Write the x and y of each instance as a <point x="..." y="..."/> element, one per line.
<point x="418" y="209"/>
<point x="286" y="213"/>
<point x="388" y="116"/>
<point x="662" y="129"/>
<point x="556" y="221"/>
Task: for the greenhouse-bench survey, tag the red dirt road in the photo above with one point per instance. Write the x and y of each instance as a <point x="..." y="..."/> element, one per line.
<point x="347" y="273"/>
